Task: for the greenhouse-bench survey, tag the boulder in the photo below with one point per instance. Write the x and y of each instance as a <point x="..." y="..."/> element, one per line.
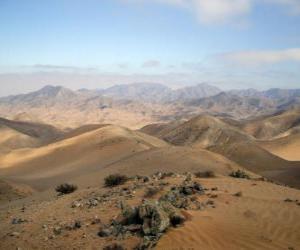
<point x="155" y="218"/>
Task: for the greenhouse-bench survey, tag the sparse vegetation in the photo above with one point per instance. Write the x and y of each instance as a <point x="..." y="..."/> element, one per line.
<point x="65" y="188"/>
<point x="205" y="174"/>
<point x="151" y="191"/>
<point x="239" y="174"/>
<point x="115" y="180"/>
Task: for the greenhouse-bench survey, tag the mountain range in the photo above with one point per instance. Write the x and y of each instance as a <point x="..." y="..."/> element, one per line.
<point x="136" y="105"/>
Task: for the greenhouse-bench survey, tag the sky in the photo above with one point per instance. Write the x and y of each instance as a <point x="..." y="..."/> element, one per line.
<point x="231" y="44"/>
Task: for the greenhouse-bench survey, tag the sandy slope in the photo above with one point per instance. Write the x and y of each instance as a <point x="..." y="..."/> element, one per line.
<point x="84" y="157"/>
<point x="12" y="139"/>
<point x="61" y="161"/>
<point x="287" y="147"/>
<point x="11" y="191"/>
<point x="211" y="133"/>
<point x="271" y="126"/>
<point x="260" y="219"/>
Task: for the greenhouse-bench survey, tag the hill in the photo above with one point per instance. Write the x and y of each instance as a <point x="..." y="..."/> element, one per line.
<point x="215" y="135"/>
<point x="272" y="125"/>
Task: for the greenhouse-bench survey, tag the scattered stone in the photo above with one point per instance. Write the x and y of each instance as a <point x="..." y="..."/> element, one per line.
<point x="214" y="189"/>
<point x="288" y="200"/>
<point x="18" y="221"/>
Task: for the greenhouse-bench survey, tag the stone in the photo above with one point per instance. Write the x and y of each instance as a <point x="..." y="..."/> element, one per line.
<point x="18" y="221"/>
<point x="104" y="232"/>
<point x="76" y="204"/>
<point x="15" y="234"/>
<point x="155" y="219"/>
<point x="57" y="230"/>
<point x="134" y="228"/>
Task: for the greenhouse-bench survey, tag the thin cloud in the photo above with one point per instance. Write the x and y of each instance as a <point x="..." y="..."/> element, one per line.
<point x="262" y="57"/>
<point x="51" y="67"/>
<point x="223" y="11"/>
<point x="151" y="64"/>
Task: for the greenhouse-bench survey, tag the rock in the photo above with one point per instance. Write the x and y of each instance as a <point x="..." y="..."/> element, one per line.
<point x="238" y="194"/>
<point x="176" y="219"/>
<point x="15" y="234"/>
<point x="148" y="242"/>
<point x="57" y="230"/>
<point x="288" y="200"/>
<point x="104" y="232"/>
<point x="93" y="202"/>
<point x="210" y="202"/>
<point x="176" y="199"/>
<point x="76" y="204"/>
<point x="134" y="228"/>
<point x="155" y="219"/>
<point x="188" y="177"/>
<point x="95" y="220"/>
<point x="18" y="221"/>
<point x="128" y="216"/>
<point x="77" y="224"/>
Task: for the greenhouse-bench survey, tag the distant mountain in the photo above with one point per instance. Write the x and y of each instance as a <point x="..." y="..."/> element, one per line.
<point x="276" y="93"/>
<point x="137" y="91"/>
<point x="41" y="97"/>
<point x="135" y="105"/>
<point x="233" y="105"/>
<point x="154" y="92"/>
<point x="198" y="91"/>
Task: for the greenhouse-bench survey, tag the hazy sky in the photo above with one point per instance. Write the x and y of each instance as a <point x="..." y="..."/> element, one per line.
<point x="98" y="43"/>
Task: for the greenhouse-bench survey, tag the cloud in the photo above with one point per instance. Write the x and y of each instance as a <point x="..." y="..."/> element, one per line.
<point x="59" y="67"/>
<point x="151" y="64"/>
<point x="262" y="57"/>
<point x="223" y="11"/>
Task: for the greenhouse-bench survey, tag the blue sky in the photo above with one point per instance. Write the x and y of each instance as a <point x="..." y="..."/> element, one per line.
<point x="98" y="43"/>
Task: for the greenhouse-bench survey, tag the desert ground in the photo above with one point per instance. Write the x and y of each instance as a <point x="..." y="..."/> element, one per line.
<point x="201" y="181"/>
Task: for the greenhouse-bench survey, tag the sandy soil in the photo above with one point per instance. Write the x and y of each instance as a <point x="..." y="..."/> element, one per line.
<point x="259" y="219"/>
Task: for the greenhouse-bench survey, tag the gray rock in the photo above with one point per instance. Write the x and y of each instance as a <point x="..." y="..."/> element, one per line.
<point x="155" y="219"/>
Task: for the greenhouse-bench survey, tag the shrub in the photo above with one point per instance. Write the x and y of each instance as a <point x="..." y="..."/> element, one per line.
<point x="151" y="191"/>
<point x="239" y="174"/>
<point x="205" y="174"/>
<point x="115" y="180"/>
<point x="66" y="188"/>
